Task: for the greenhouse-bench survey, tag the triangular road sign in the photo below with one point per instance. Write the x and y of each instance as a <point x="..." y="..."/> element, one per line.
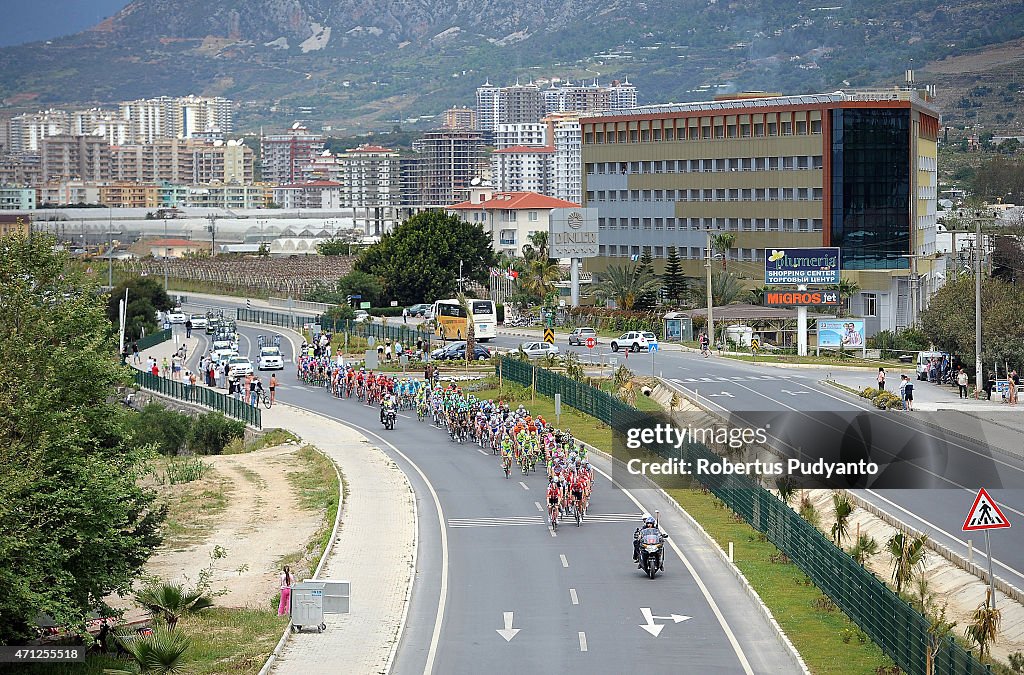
<point x="985" y="514"/>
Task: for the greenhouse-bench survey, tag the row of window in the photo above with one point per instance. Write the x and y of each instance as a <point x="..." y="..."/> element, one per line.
<point x="708" y="195"/>
<point x="785" y="163"/>
<point x="507" y="216"/>
<point x="702" y="132"/>
<point x="735" y="224"/>
<point x="684" y="252"/>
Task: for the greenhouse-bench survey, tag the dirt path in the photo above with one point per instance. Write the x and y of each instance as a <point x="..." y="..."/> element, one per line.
<point x="262" y="523"/>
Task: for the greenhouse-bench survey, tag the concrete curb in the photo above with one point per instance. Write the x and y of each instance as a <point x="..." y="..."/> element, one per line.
<point x="780" y="634"/>
<point x="269" y="664"/>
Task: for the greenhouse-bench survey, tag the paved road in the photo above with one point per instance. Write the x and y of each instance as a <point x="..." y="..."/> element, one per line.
<point x="959" y="463"/>
<point x="575" y="596"/>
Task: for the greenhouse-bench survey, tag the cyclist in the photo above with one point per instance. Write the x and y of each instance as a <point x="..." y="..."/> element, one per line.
<point x="554" y="502"/>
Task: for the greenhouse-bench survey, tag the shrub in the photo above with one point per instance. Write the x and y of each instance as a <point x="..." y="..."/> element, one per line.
<point x="212" y="431"/>
<point x="165" y="429"/>
<point x="886" y="400"/>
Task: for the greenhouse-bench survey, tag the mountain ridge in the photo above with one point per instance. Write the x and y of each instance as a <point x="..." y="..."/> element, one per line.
<point x="371" y="64"/>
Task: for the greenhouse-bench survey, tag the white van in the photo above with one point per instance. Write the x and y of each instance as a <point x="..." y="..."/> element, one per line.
<point x="923" y="358"/>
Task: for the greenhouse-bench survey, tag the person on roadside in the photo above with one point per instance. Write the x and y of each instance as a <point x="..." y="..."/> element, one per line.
<point x="907" y="393"/>
<point x="165" y="367"/>
<point x="961" y="382"/>
<point x="273" y="386"/>
<point x="135" y="353"/>
<point x="188" y="328"/>
<point x="284" y="607"/>
<point x="155" y="369"/>
<point x="1014" y="379"/>
<point x="881" y="379"/>
<point x="255" y="389"/>
<point x="405" y="315"/>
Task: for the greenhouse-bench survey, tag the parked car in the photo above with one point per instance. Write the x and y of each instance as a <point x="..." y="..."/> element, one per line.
<point x="457" y="351"/>
<point x="579" y="336"/>
<point x="239" y="366"/>
<point x="634" y="340"/>
<point x="419" y="309"/>
<point x="198" y="320"/>
<point x="270" y="359"/>
<point x="361" y="316"/>
<point x="652" y="340"/>
<point x="176" y="316"/>
<point x="542" y="348"/>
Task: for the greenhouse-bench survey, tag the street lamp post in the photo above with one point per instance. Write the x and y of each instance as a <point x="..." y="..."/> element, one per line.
<point x="165" y="253"/>
<point x="711" y="322"/>
<point x="979" y="252"/>
<point x="110" y="248"/>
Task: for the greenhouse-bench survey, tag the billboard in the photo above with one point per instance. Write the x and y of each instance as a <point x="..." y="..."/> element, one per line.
<point x="572" y="233"/>
<point x="800" y="298"/>
<point x="801" y="266"/>
<point x="841" y="333"/>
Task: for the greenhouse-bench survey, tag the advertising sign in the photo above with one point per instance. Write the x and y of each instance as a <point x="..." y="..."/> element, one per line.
<point x="841" y="333"/>
<point x="799" y="298"/>
<point x="572" y="233"/>
<point x="801" y="266"/>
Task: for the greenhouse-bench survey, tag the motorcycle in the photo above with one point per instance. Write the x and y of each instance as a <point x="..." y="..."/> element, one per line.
<point x="389" y="419"/>
<point x="652" y="552"/>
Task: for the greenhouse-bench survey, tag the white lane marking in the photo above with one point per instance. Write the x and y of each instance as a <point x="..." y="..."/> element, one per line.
<point x="565" y="563"/>
<point x="552" y="531"/>
<point x="525" y="486"/>
<point x="572" y="596"/>
<point x="700" y="584"/>
<point x="481" y="451"/>
<point x="539" y="507"/>
<point x="583" y="641"/>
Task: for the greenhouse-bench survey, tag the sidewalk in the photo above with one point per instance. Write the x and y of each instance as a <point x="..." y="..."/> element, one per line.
<point x="378" y="498"/>
<point x="927" y="396"/>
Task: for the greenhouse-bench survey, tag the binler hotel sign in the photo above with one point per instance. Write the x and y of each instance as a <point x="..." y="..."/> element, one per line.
<point x="572" y="233"/>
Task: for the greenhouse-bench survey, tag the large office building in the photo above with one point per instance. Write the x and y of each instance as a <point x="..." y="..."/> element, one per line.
<point x="855" y="170"/>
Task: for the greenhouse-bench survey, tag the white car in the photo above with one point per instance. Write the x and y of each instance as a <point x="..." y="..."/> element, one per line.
<point x="634" y="340"/>
<point x="221" y="344"/>
<point x="176" y="316"/>
<point x="223" y="356"/>
<point x="652" y="341"/>
<point x="361" y="316"/>
<point x="270" y="359"/>
<point x="539" y="349"/>
<point x="239" y="366"/>
<point x="198" y="320"/>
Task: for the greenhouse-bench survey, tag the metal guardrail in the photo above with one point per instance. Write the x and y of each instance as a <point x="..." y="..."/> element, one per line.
<point x="200" y="395"/>
<point x="272" y="318"/>
<point x="154" y="339"/>
<point x="899" y="629"/>
<point x="303" y="305"/>
<point x="378" y="330"/>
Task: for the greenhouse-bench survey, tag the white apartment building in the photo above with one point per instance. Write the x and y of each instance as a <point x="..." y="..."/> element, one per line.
<point x="68" y="192"/>
<point x="17" y="199"/>
<point x="319" y="194"/>
<point x="567" y="160"/>
<point x="28" y="130"/>
<point x="369" y="175"/>
<point x="509" y="217"/>
<point x="523" y="168"/>
<point x="621" y="95"/>
<point x="182" y="117"/>
<point x="525" y="133"/>
<point x="487" y="100"/>
<point x="286" y="155"/>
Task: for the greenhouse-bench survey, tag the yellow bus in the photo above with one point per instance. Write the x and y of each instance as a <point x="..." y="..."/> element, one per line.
<point x="450" y="319"/>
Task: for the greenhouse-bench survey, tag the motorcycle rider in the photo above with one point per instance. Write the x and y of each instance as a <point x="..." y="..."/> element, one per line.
<point x="648" y="527"/>
<point x="388" y="403"/>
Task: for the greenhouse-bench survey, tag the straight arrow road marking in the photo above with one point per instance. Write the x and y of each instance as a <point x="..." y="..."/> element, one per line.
<point x="724" y="393"/>
<point x="655" y="628"/>
<point x="508" y="632"/>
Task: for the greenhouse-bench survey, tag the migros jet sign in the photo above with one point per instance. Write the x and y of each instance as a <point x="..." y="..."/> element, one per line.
<point x="800" y="298"/>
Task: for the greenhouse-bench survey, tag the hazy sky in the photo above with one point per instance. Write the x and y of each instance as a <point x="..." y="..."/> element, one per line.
<point x="31" y="20"/>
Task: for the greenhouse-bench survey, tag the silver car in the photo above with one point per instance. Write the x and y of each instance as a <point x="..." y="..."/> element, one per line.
<point x="579" y="336"/>
<point x="534" y="349"/>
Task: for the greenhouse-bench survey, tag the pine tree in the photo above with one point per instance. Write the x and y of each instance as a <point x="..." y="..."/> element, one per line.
<point x="673" y="279"/>
<point x="645" y="268"/>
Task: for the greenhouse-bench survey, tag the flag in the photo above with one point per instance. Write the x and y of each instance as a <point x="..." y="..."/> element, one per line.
<point x="495" y="272"/>
<point x="634" y="257"/>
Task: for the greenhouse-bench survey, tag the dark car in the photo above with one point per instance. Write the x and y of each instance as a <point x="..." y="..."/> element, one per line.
<point x="457" y="351"/>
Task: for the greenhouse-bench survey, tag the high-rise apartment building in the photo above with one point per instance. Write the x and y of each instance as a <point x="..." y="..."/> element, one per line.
<point x="520" y="103"/>
<point x="849" y="169"/>
<point x="370" y="183"/>
<point x="525" y="133"/>
<point x="29" y="129"/>
<point x="487" y="106"/>
<point x="621" y="95"/>
<point x="181" y="117"/>
<point x="523" y="169"/>
<point x="567" y="164"/>
<point x="286" y="155"/>
<point x="450" y="160"/>
<point x="459" y="118"/>
<point x="183" y="161"/>
<point x="68" y="157"/>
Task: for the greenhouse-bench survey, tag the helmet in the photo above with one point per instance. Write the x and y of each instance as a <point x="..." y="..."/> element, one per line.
<point x="648" y="521"/>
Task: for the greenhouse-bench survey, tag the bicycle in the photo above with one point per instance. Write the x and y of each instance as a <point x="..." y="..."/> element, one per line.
<point x="265" y="400"/>
<point x="553" y="515"/>
<point x="506" y="464"/>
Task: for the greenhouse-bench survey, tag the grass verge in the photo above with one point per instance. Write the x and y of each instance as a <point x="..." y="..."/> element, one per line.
<point x="192" y="509"/>
<point x="270" y="439"/>
<point x="317" y="488"/>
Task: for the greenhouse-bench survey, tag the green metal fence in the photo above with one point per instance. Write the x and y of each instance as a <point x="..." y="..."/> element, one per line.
<point x="294" y="321"/>
<point x="899" y="629"/>
<point x="154" y="339"/>
<point x="200" y="395"/>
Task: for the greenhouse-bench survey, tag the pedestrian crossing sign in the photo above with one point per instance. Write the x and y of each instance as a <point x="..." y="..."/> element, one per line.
<point x="985" y="514"/>
<point x="549" y="336"/>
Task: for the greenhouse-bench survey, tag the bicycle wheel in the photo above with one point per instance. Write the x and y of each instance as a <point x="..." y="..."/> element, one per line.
<point x="266" y="402"/>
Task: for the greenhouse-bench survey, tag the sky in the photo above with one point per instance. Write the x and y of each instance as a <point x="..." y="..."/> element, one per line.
<point x="46" y="19"/>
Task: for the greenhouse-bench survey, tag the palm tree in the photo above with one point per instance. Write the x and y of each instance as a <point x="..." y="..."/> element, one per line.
<point x="847" y="289"/>
<point x="984" y="625"/>
<point x="865" y="548"/>
<point x="470" y="327"/>
<point x="172" y="601"/>
<point x="722" y="242"/>
<point x="786" y="488"/>
<point x="160" y="652"/>
<point x="843" y="508"/>
<point x="625" y="284"/>
<point x="907" y="556"/>
<point x="757" y="294"/>
<point x="538" y="275"/>
<point x="725" y="289"/>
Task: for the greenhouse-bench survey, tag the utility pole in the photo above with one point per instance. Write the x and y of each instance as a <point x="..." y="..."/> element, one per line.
<point x="165" y="253"/>
<point x="110" y="248"/>
<point x="213" y="233"/>
<point x="460" y="276"/>
<point x="711" y="322"/>
<point x="979" y="252"/>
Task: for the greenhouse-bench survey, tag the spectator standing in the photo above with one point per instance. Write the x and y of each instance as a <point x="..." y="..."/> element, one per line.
<point x="1014" y="379"/>
<point x="405" y="315"/>
<point x="188" y="328"/>
<point x="284" y="607"/>
<point x="135" y="353"/>
<point x="961" y="382"/>
<point x="907" y="393"/>
<point x="165" y="367"/>
<point x="881" y="379"/>
<point x="273" y="386"/>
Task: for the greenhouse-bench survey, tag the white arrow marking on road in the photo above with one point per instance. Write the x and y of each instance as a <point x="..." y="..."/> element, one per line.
<point x="655" y="628"/>
<point x="794" y="393"/>
<point x="724" y="393"/>
<point x="508" y="632"/>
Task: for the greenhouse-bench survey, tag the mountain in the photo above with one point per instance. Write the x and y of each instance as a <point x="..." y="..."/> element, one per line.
<point x="362" y="64"/>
